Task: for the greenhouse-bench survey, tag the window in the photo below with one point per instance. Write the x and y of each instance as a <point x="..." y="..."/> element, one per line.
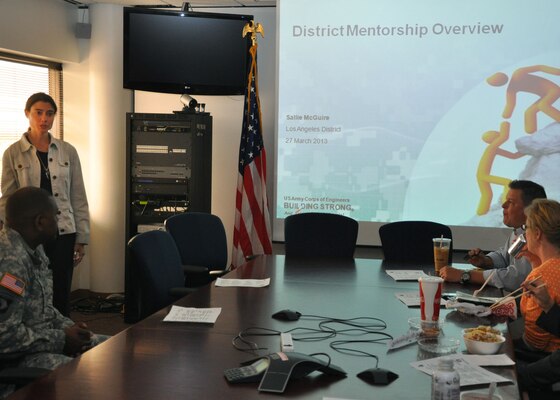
<point x="20" y="77"/>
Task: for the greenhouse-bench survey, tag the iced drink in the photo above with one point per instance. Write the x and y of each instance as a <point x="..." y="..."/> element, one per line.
<point x="441" y="252"/>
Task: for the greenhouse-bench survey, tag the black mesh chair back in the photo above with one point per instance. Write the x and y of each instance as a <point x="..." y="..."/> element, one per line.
<point x="200" y="238"/>
<point x="411" y="241"/>
<point x="320" y="235"/>
<point x="157" y="263"/>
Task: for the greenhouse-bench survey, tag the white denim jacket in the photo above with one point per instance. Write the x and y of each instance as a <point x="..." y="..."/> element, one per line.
<point x="20" y="168"/>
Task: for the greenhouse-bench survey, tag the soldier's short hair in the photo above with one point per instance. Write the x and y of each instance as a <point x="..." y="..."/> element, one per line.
<point x="27" y="203"/>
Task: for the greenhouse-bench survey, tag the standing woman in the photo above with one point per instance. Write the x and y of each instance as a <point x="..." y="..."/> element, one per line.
<point x="38" y="159"/>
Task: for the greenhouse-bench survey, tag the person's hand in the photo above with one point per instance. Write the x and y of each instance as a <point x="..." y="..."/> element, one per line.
<point x="534" y="260"/>
<point x="450" y="274"/>
<point x="78" y="339"/>
<point x="477" y="258"/>
<point x="539" y="291"/>
<point x="79" y="253"/>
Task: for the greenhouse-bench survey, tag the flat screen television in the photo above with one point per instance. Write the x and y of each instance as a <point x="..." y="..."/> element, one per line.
<point x="185" y="52"/>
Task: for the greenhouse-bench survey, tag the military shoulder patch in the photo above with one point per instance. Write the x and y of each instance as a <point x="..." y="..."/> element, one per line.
<point x="13" y="283"/>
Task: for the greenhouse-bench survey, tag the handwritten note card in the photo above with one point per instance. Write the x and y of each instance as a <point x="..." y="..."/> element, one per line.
<point x="190" y="314"/>
<point x="405" y="274"/>
<point x="242" y="282"/>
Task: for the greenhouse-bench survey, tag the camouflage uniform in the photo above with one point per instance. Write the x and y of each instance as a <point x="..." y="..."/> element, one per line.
<point x="29" y="324"/>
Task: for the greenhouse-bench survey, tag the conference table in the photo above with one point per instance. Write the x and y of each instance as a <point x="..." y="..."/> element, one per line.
<point x="168" y="360"/>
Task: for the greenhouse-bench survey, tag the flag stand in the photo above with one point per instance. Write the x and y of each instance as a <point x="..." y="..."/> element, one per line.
<point x="252" y="232"/>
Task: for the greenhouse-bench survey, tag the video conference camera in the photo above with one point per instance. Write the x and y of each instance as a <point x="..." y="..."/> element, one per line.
<point x="188" y="102"/>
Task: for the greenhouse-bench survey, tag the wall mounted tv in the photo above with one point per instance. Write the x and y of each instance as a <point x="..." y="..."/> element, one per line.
<point x="185" y="52"/>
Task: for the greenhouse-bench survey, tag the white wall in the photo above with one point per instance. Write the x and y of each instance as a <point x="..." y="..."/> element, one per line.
<point x="42" y="28"/>
<point x="76" y="131"/>
<point x="108" y="104"/>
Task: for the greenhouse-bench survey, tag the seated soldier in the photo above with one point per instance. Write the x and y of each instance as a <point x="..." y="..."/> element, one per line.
<point x="32" y="331"/>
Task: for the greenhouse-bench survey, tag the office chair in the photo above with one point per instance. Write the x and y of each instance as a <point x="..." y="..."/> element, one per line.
<point x="156" y="261"/>
<point x="201" y="240"/>
<point x="411" y="241"/>
<point x="320" y="235"/>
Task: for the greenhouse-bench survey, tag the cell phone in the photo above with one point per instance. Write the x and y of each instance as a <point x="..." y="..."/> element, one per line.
<point x="248" y="373"/>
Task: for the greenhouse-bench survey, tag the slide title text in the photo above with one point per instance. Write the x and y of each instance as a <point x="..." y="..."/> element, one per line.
<point x="403" y="30"/>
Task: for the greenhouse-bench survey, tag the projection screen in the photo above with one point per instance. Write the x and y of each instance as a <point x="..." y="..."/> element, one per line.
<point x="394" y="110"/>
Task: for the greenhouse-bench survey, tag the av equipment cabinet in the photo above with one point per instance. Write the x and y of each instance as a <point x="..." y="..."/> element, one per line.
<point x="169" y="171"/>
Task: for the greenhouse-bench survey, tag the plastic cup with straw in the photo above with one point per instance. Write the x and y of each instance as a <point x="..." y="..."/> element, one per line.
<point x="441" y="252"/>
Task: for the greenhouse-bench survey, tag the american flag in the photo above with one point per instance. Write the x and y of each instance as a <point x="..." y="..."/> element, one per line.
<point x="12" y="283"/>
<point x="252" y="221"/>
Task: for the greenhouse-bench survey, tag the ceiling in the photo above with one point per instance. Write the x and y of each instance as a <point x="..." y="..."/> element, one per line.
<point x="179" y="3"/>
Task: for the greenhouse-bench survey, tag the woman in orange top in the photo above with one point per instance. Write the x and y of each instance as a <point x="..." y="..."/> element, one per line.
<point x="543" y="251"/>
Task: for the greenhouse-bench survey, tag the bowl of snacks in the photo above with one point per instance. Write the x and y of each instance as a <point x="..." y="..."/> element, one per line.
<point x="483" y="340"/>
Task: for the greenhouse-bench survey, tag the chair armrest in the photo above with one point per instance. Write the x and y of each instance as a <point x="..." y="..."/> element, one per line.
<point x="196" y="275"/>
<point x="21" y="375"/>
<point x="179" y="292"/>
<point x="195" y="269"/>
<point x="217" y="273"/>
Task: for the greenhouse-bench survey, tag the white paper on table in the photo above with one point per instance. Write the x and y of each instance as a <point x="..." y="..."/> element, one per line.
<point x="470" y="374"/>
<point x="412" y="299"/>
<point x="495" y="360"/>
<point x="242" y="282"/>
<point x="408" y="338"/>
<point x="406" y="274"/>
<point x="477" y="299"/>
<point x="190" y="314"/>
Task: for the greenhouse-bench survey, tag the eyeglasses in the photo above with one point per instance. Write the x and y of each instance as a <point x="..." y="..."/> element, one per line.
<point x="525" y="227"/>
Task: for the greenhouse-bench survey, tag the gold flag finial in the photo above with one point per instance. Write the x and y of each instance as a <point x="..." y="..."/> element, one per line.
<point x="253" y="29"/>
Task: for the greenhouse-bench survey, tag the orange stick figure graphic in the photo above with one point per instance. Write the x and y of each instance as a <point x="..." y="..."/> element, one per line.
<point x="494" y="139"/>
<point x="522" y="80"/>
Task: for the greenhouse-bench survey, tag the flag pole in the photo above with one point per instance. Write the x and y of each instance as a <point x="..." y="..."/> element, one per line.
<point x="252" y="232"/>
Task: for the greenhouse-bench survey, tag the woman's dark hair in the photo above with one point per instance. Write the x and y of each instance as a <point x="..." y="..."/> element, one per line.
<point x="34" y="98"/>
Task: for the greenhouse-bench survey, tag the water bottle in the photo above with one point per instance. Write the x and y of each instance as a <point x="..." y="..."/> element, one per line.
<point x="445" y="382"/>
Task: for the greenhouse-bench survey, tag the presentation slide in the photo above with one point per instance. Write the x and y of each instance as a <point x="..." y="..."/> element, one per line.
<point x="396" y="110"/>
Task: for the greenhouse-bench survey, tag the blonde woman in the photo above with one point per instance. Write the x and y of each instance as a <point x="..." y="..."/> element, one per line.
<point x="543" y="251"/>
